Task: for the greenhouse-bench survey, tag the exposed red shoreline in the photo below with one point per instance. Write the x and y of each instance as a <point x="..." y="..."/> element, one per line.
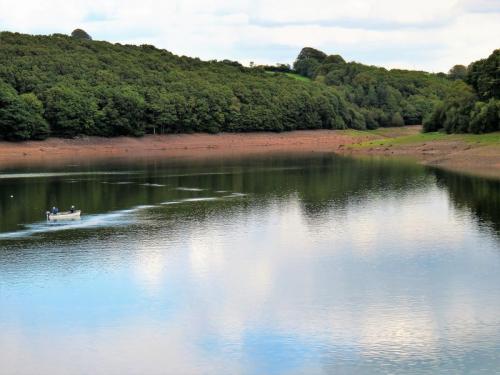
<point x="171" y="146"/>
<point x="449" y="154"/>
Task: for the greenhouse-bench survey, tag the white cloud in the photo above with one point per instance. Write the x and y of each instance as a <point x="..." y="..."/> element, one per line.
<point x="428" y="34"/>
<point x="387" y="10"/>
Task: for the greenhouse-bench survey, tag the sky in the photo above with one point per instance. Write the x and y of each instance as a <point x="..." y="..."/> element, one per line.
<point x="430" y="35"/>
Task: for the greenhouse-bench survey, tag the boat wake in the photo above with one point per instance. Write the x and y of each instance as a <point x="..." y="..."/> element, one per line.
<point x="204" y="199"/>
<point x="153" y="185"/>
<point x="182" y="188"/>
<point x="63" y="174"/>
<point x="115" y="218"/>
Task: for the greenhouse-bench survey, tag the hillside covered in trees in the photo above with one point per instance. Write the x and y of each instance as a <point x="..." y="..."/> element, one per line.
<point x="474" y="104"/>
<point x="71" y="85"/>
<point x="66" y="86"/>
<point x="384" y="97"/>
<point x="464" y="100"/>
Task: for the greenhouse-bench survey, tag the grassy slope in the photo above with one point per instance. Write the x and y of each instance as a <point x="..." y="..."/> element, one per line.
<point x="386" y="137"/>
<point x="298" y="77"/>
<point x="477" y="154"/>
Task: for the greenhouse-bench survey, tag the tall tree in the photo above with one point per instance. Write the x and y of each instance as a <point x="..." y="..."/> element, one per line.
<point x="80" y="34"/>
<point x="458" y="72"/>
<point x="70" y="111"/>
<point x="20" y="116"/>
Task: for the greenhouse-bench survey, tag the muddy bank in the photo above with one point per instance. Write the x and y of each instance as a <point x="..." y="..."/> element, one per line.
<point x="451" y="152"/>
<point x="471" y="154"/>
<point x="56" y="150"/>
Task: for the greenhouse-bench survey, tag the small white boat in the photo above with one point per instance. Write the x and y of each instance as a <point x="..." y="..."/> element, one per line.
<point x="63" y="215"/>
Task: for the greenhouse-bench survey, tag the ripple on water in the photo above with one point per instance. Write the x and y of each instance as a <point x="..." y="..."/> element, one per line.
<point x="189" y="189"/>
<point x="153" y="185"/>
<point x="62" y="174"/>
<point x="120" y="217"/>
<point x="88" y="221"/>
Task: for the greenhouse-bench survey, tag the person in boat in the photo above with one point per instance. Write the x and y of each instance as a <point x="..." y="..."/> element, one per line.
<point x="55" y="210"/>
<point x="72" y="209"/>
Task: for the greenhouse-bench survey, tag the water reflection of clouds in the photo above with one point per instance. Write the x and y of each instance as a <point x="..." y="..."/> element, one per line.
<point x="150" y="270"/>
<point x="134" y="348"/>
<point x="397" y="327"/>
<point x="374" y="282"/>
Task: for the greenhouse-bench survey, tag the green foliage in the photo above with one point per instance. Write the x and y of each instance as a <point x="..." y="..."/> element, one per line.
<point x="81" y="34"/>
<point x="20" y="115"/>
<point x="485" y="117"/>
<point x="397" y="119"/>
<point x="37" y="125"/>
<point x="70" y="111"/>
<point x="384" y="98"/>
<point x="484" y="76"/>
<point x="306" y="67"/>
<point x="434" y="121"/>
<point x="458" y="72"/>
<point x="122" y="113"/>
<point x="311" y="53"/>
<point x="282" y="68"/>
<point x="98" y="88"/>
<point x="474" y="108"/>
<point x="69" y="86"/>
<point x="298" y="77"/>
<point x="457" y="108"/>
<point x="334" y="59"/>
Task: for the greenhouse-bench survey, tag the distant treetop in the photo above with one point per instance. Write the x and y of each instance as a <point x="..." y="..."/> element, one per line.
<point x="334" y="59"/>
<point x="311" y="53"/>
<point x="80" y="34"/>
<point x="458" y="72"/>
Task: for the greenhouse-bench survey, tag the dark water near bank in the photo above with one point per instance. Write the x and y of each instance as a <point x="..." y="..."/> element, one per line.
<point x="271" y="265"/>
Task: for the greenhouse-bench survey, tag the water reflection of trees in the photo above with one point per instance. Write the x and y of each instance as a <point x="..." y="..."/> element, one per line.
<point x="478" y="195"/>
<point x="316" y="180"/>
<point x="321" y="182"/>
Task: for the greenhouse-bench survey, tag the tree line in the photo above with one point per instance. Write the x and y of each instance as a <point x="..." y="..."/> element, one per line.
<point x="473" y="106"/>
<point x="67" y="86"/>
<point x="383" y="97"/>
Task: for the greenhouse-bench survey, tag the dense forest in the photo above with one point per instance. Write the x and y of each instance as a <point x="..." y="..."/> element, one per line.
<point x="464" y="100"/>
<point x="473" y="106"/>
<point x="71" y="85"/>
<point x="384" y="97"/>
<point x="67" y="86"/>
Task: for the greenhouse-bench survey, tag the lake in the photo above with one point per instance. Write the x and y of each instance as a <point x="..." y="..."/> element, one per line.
<point x="279" y="264"/>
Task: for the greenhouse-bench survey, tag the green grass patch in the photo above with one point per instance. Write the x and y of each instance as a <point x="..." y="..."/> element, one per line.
<point x="403" y="140"/>
<point x="356" y="133"/>
<point x="486" y="139"/>
<point x="479" y="139"/>
<point x="380" y="133"/>
<point x="298" y="77"/>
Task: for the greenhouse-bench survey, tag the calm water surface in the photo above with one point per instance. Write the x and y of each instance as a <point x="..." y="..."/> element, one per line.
<point x="272" y="265"/>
